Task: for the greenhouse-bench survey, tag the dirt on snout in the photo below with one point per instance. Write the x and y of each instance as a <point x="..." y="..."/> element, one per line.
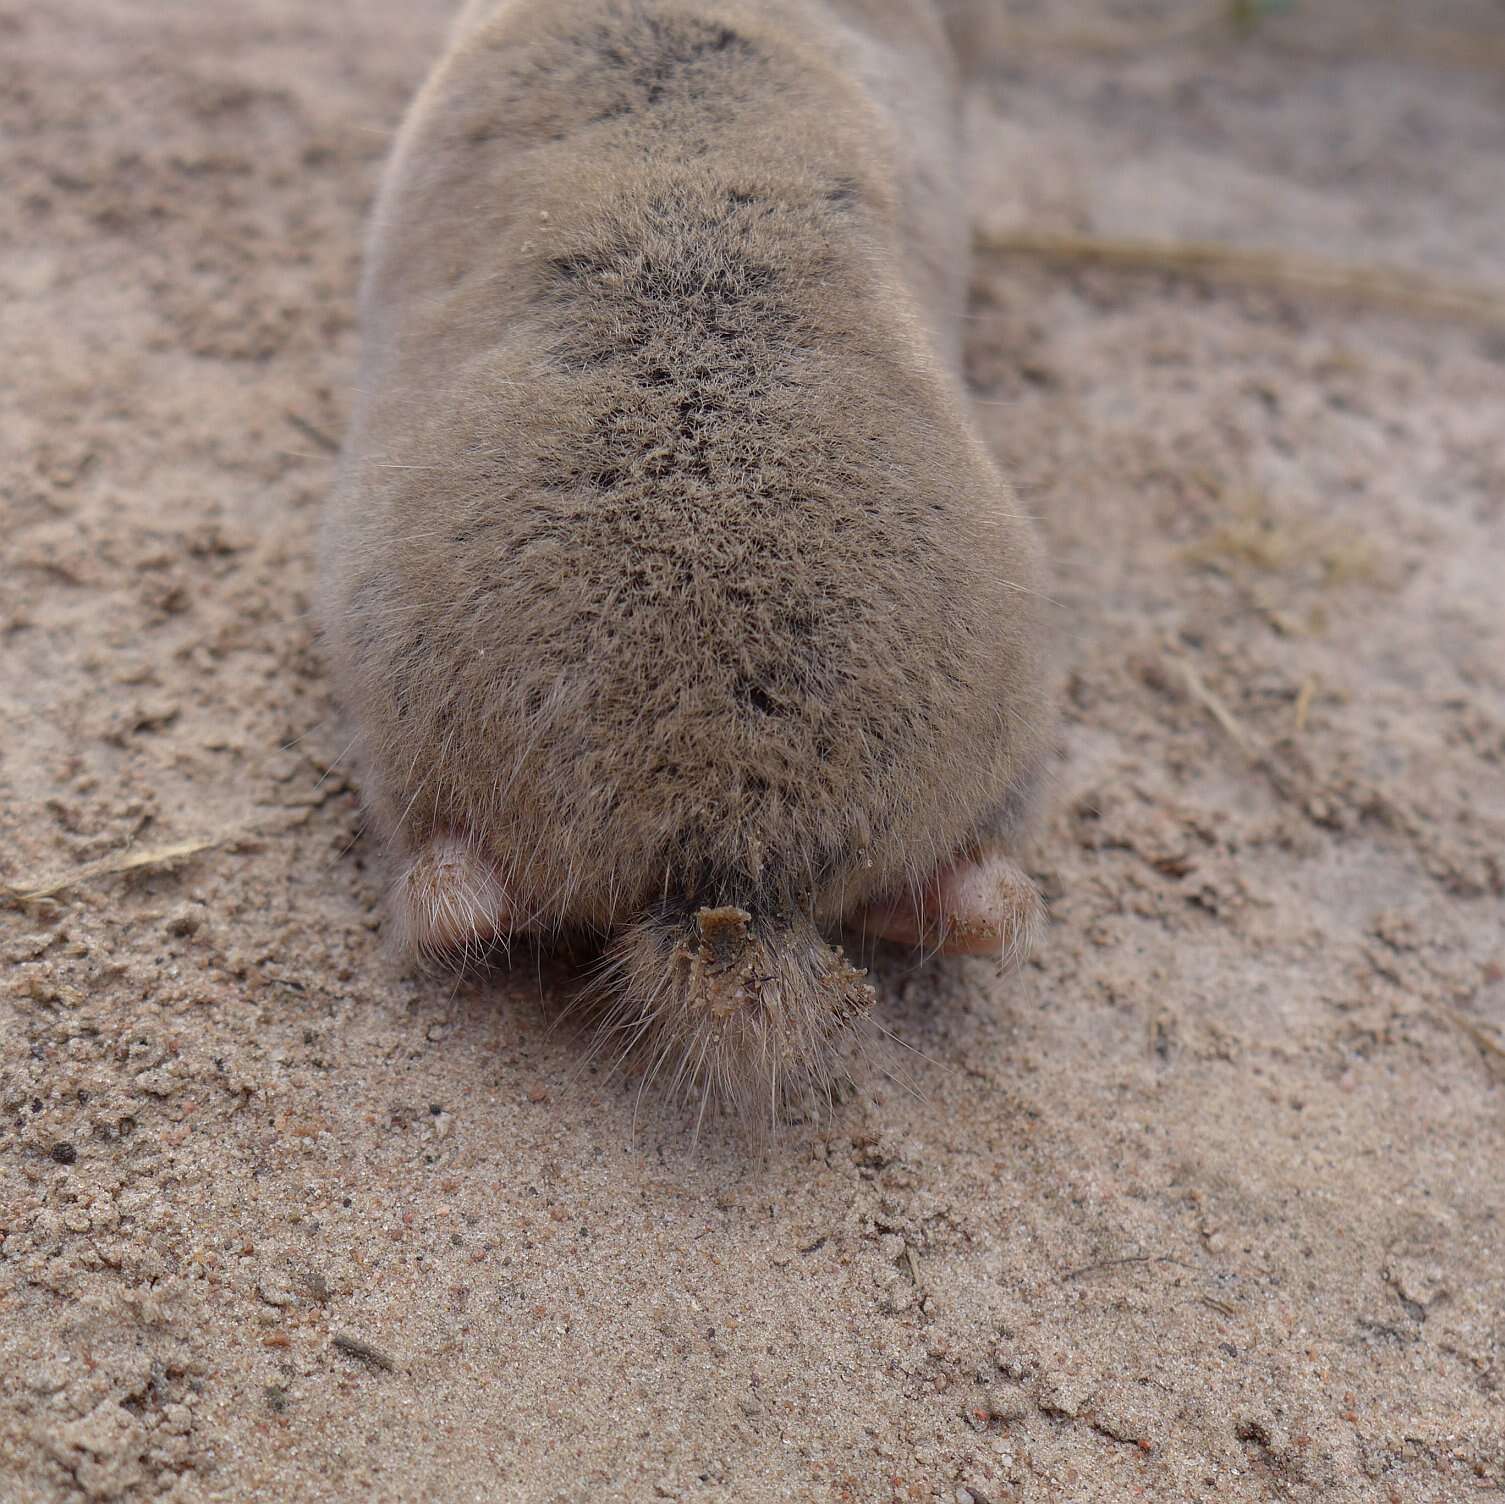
<point x="1208" y="1203"/>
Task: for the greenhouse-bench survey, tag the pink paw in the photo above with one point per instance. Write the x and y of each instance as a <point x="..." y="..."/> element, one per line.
<point x="976" y="906"/>
<point x="450" y="899"/>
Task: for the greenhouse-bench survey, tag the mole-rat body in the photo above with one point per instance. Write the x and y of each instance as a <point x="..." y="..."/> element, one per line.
<point x="671" y="590"/>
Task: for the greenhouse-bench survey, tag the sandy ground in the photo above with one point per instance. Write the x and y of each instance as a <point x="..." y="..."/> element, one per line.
<point x="1208" y="1203"/>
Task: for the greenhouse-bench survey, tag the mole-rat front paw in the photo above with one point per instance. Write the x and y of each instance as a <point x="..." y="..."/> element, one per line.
<point x="450" y="900"/>
<point x="980" y="905"/>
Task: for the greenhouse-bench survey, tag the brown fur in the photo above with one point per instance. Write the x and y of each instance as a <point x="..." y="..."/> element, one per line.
<point x="667" y="573"/>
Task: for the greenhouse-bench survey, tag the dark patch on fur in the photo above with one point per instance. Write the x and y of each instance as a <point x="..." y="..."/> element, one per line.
<point x="753" y="697"/>
<point x="692" y="317"/>
<point x="661" y="59"/>
<point x="635" y="65"/>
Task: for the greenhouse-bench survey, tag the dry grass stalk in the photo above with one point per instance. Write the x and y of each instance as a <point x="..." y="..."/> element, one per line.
<point x="129" y="860"/>
<point x="1382" y="286"/>
<point x="1197" y="688"/>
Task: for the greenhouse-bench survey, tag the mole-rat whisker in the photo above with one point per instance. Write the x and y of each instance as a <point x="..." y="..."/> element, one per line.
<point x="903" y="1081"/>
<point x="705" y="1097"/>
<point x="904" y="1044"/>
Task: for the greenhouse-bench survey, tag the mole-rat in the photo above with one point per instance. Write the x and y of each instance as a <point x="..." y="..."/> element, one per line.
<point x="671" y="591"/>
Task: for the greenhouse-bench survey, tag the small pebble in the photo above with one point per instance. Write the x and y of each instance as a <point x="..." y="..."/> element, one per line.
<point x="275" y="1293"/>
<point x="353" y="1347"/>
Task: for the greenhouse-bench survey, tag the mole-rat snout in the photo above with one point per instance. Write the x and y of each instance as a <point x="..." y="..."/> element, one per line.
<point x="670" y="588"/>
